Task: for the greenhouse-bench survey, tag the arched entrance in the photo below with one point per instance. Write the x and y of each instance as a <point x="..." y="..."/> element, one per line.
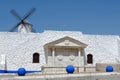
<point x="35" y="58"/>
<point x="89" y="58"/>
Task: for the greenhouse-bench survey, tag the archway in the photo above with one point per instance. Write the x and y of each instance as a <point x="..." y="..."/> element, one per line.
<point x="89" y="58"/>
<point x="36" y="58"/>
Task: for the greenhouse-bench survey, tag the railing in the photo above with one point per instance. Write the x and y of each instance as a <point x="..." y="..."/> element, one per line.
<point x="59" y="69"/>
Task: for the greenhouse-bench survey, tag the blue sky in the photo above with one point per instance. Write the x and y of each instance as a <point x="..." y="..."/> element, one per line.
<point x="87" y="16"/>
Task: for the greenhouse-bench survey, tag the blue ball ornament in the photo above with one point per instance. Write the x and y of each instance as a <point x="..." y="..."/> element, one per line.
<point x="70" y="69"/>
<point x="21" y="71"/>
<point x="109" y="69"/>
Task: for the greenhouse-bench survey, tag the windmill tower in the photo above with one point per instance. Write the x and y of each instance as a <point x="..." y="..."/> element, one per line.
<point x="23" y="25"/>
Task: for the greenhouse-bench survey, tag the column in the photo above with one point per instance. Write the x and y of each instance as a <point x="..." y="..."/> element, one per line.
<point x="84" y="59"/>
<point x="53" y="56"/>
<point x="79" y="59"/>
<point x="79" y="55"/>
<point x="84" y="56"/>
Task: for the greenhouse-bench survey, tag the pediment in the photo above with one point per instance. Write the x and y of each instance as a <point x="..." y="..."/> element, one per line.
<point x="66" y="42"/>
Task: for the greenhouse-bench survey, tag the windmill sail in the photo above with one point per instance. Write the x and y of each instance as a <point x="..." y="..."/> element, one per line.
<point x="23" y="25"/>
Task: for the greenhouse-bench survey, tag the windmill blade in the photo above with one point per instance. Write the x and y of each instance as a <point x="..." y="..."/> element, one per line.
<point x="33" y="30"/>
<point x="21" y="19"/>
<point x="29" y="13"/>
<point x="16" y="14"/>
<point x="11" y="30"/>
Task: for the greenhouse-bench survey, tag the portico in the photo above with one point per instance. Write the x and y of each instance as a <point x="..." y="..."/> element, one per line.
<point x="65" y="51"/>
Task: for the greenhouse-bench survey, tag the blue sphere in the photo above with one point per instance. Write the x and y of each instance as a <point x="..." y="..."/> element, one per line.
<point x="109" y="69"/>
<point x="70" y="69"/>
<point x="21" y="71"/>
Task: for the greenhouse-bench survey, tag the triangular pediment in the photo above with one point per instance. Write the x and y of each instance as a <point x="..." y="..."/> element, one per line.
<point x="66" y="42"/>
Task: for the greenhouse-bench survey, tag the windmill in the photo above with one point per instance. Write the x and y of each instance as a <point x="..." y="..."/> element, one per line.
<point x="23" y="25"/>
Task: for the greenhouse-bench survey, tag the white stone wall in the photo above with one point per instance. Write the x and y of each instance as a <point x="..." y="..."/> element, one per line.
<point x="118" y="40"/>
<point x="103" y="47"/>
<point x="19" y="47"/>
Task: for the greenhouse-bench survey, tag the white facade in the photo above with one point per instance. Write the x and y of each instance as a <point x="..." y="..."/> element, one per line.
<point x="56" y="48"/>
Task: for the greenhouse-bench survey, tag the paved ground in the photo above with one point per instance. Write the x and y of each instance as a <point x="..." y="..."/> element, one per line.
<point x="80" y="76"/>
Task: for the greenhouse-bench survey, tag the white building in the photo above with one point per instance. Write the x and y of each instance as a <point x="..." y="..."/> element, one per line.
<point x="56" y="48"/>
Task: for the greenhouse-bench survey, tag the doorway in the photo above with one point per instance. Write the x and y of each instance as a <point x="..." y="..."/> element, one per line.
<point x="89" y="58"/>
